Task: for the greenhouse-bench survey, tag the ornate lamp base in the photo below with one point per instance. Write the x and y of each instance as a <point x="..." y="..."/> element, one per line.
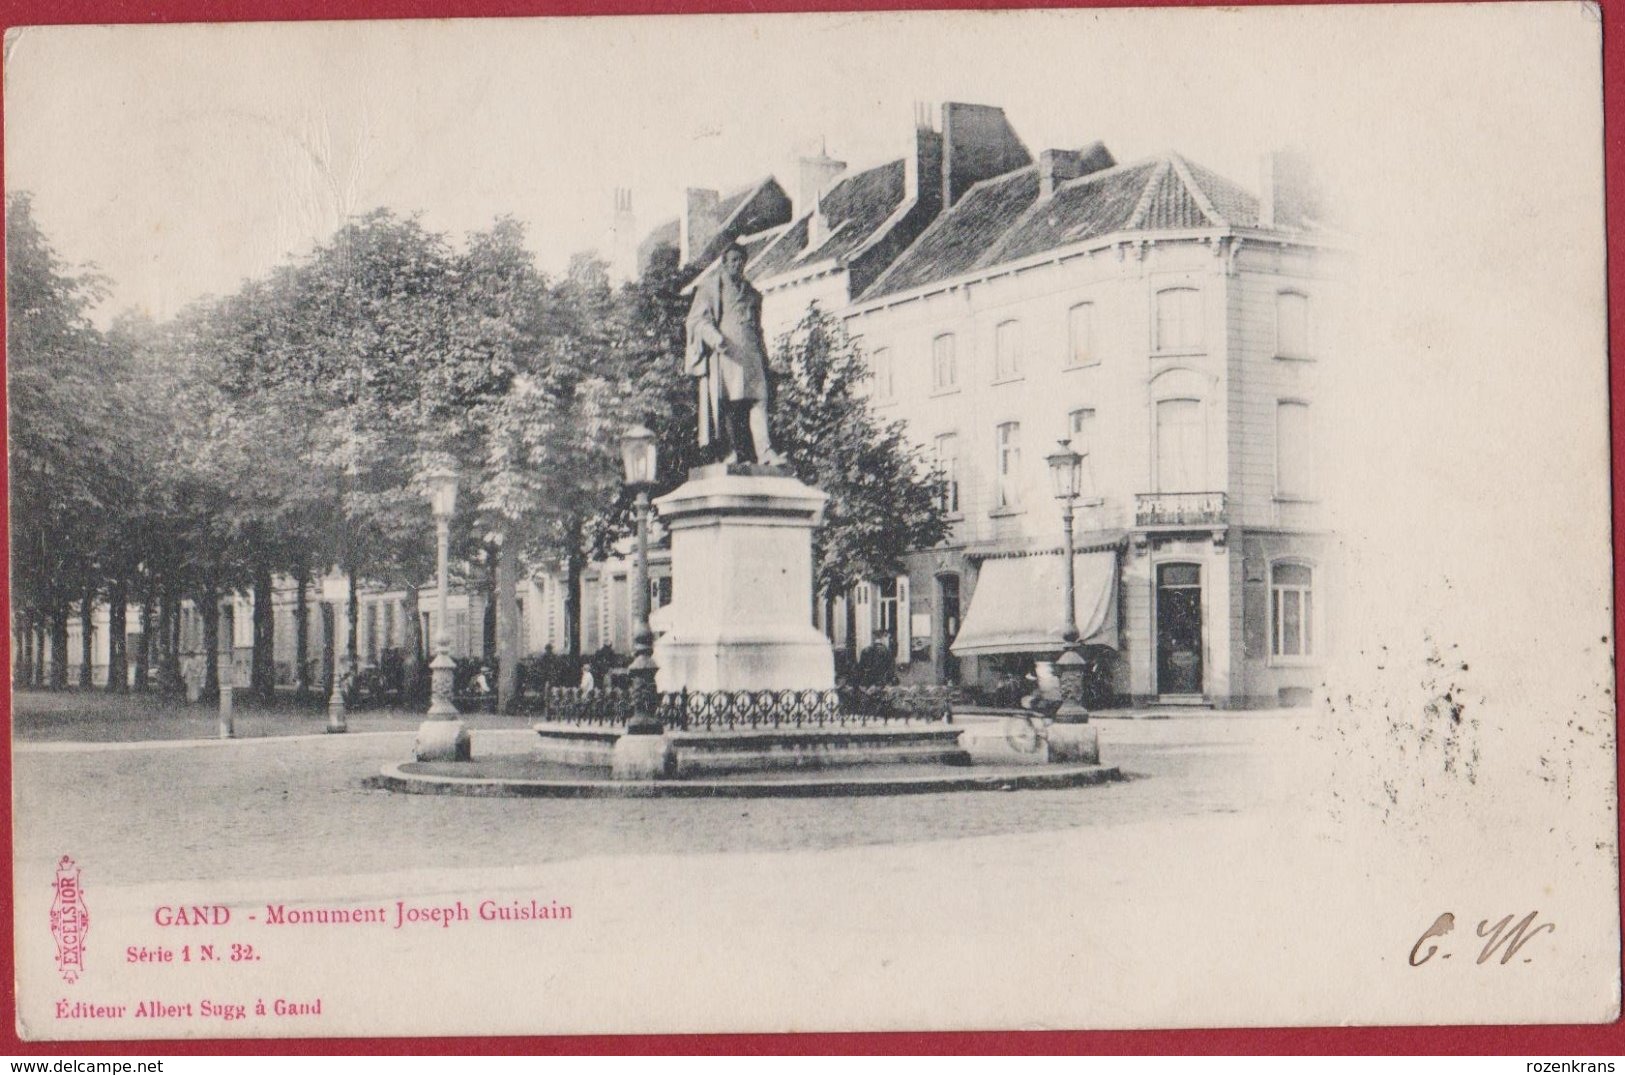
<point x="442" y="737"/>
<point x="442" y="740"/>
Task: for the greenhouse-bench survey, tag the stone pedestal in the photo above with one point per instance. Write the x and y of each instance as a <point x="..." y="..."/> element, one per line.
<point x="642" y="757"/>
<point x="742" y="583"/>
<point x="1074" y="743"/>
<point x="442" y="740"/>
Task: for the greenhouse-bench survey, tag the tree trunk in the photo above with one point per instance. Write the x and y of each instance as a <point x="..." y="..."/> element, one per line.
<point x="211" y="644"/>
<point x="87" y="640"/>
<point x="22" y="673"/>
<point x="353" y="614"/>
<point x="41" y="632"/>
<point x="851" y="645"/>
<point x="144" y="652"/>
<point x="59" y="647"/>
<point x="575" y="565"/>
<point x="175" y="680"/>
<point x="262" y="674"/>
<point x="118" y="662"/>
<point x="412" y="638"/>
<point x="507" y="602"/>
<point x="163" y="651"/>
<point x="301" y="633"/>
<point x="36" y="646"/>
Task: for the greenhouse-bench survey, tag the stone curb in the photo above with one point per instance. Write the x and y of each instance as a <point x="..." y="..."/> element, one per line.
<point x="394" y="778"/>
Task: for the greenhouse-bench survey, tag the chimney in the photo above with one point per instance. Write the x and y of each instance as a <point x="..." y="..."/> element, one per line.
<point x="922" y="168"/>
<point x="623" y="236"/>
<point x="1057" y="166"/>
<point x="977" y="143"/>
<point x="700" y="223"/>
<point x="1288" y="195"/>
<point x="816" y="174"/>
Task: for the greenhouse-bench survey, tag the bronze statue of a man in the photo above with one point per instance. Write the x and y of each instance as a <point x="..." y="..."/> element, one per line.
<point x="727" y="355"/>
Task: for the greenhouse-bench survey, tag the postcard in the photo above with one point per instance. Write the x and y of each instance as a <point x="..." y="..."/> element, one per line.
<point x="811" y="522"/>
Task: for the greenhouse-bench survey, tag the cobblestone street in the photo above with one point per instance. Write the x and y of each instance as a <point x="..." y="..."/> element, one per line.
<point x="292" y="807"/>
<point x="1127" y="904"/>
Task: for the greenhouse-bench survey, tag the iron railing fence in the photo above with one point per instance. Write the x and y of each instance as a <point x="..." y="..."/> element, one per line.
<point x="743" y="710"/>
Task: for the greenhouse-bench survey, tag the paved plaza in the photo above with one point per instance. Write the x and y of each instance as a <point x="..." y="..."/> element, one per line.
<point x="287" y="802"/>
<point x="1120" y="905"/>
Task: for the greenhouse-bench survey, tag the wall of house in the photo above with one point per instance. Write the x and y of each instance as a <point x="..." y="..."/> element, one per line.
<point x="1120" y="381"/>
<point x="1232" y="368"/>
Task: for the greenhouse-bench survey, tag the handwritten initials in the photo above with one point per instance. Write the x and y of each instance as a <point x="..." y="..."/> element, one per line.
<point x="1521" y="935"/>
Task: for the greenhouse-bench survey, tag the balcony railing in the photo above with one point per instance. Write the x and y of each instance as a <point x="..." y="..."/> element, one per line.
<point x="1179" y="509"/>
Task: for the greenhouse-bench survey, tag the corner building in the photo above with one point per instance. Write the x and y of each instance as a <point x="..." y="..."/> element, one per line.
<point x="1168" y="324"/>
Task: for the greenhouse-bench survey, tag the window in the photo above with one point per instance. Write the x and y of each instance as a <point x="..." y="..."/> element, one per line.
<point x="1292" y="611"/>
<point x="882" y="368"/>
<point x="1181" y="446"/>
<point x="389" y="625"/>
<point x="1080" y="429"/>
<point x="1080" y="334"/>
<point x="948" y="463"/>
<point x="1291" y="325"/>
<point x="944" y="371"/>
<point x="1007" y="491"/>
<point x="372" y="633"/>
<point x="1179" y="319"/>
<point x="1007" y="350"/>
<point x="1294" y="458"/>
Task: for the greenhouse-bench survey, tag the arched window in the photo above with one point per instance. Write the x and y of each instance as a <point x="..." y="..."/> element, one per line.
<point x="882" y="368"/>
<point x="1292" y="325"/>
<point x="1292" y="610"/>
<point x="944" y="367"/>
<point x="1181" y="446"/>
<point x="948" y="462"/>
<point x="1080" y="333"/>
<point x="1007" y="466"/>
<point x="1179" y="319"/>
<point x="1007" y="350"/>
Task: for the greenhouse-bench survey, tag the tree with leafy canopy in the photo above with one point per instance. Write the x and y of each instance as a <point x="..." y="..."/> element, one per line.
<point x="885" y="496"/>
<point x="67" y="464"/>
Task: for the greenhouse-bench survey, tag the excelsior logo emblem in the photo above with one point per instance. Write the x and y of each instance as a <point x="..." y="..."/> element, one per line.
<point x="69" y="920"/>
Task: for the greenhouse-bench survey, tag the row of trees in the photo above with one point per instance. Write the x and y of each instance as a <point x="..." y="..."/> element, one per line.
<point x="283" y="430"/>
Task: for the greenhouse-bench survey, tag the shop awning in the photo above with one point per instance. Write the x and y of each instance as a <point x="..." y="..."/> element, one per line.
<point x="1016" y="607"/>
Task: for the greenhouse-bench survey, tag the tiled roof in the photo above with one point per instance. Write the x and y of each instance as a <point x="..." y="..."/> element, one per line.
<point x="1004" y="219"/>
<point x="782" y="253"/>
<point x="1078" y="210"/>
<point x="755" y="244"/>
<point x="854" y="209"/>
<point x="1234" y="205"/>
<point x="748" y="210"/>
<point x="956" y="241"/>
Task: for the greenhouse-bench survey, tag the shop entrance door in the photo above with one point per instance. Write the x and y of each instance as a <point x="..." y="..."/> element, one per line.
<point x="1179" y="629"/>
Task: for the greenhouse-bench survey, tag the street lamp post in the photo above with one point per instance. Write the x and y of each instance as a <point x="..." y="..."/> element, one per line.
<point x="1066" y="473"/>
<point x="442" y="737"/>
<point x="334" y="591"/>
<point x="638" y="457"/>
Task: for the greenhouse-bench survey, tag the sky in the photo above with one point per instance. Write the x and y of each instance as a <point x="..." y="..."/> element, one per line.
<point x="180" y="160"/>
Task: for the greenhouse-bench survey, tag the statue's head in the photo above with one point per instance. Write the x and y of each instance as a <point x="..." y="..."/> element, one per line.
<point x="733" y="261"/>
